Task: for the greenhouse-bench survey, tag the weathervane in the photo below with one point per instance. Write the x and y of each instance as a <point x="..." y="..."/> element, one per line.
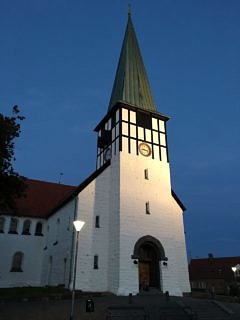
<point x="129" y="10"/>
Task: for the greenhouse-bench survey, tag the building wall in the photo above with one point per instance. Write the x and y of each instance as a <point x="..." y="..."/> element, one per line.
<point x="57" y="247"/>
<point x="32" y="248"/>
<point x="94" y="201"/>
<point x="118" y="195"/>
<point x="164" y="222"/>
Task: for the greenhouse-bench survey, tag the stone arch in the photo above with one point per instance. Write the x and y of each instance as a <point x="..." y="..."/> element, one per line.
<point x="149" y="240"/>
<point x="149" y="252"/>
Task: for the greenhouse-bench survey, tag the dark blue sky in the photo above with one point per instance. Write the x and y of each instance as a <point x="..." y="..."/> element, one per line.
<point x="58" y="60"/>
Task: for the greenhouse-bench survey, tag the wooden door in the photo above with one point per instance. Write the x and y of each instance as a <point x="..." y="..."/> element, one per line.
<point x="144" y="275"/>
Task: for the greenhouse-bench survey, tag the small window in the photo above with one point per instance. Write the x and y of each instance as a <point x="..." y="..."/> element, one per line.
<point x="38" y="230"/>
<point x="147" y="208"/>
<point x="26" y="227"/>
<point x="2" y="224"/>
<point x="69" y="221"/>
<point x="105" y="139"/>
<point x="13" y="226"/>
<point x="95" y="262"/>
<point x="144" y="120"/>
<point x="97" y="222"/>
<point x="113" y="120"/>
<point x="146" y="174"/>
<point x="17" y="262"/>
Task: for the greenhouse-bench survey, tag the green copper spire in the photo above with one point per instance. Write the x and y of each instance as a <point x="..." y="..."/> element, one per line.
<point x="131" y="84"/>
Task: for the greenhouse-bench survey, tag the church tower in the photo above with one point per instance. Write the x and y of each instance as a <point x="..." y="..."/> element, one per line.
<point x="134" y="235"/>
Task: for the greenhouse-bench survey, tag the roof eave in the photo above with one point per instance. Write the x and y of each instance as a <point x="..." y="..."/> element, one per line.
<point x="82" y="186"/>
<point x="121" y="104"/>
<point x="179" y="202"/>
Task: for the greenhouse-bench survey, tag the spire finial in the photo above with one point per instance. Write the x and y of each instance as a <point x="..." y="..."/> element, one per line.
<point x="129" y="10"/>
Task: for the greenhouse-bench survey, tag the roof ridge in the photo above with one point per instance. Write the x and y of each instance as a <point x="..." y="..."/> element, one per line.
<point x="53" y="183"/>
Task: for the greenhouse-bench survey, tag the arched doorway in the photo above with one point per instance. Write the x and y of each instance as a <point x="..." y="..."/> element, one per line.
<point x="149" y="252"/>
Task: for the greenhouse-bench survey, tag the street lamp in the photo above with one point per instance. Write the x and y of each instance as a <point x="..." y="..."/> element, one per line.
<point x="78" y="224"/>
<point x="234" y="269"/>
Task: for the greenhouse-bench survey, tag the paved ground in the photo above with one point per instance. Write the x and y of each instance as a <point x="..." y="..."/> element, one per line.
<point x="156" y="308"/>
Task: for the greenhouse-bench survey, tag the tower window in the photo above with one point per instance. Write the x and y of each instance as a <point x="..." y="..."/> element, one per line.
<point x="97" y="222"/>
<point x="147" y="207"/>
<point x="95" y="262"/>
<point x="113" y="120"/>
<point x="146" y="174"/>
<point x="144" y="120"/>
<point x="105" y="139"/>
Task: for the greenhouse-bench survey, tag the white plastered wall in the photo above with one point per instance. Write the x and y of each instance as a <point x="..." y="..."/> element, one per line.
<point x="164" y="222"/>
<point x="93" y="201"/>
<point x="30" y="245"/>
<point x="57" y="247"/>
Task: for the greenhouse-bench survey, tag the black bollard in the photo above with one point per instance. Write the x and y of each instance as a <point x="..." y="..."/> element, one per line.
<point x="167" y="295"/>
<point x="130" y="298"/>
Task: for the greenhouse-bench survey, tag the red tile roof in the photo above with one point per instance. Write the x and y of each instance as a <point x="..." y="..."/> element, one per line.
<point x="41" y="197"/>
<point x="212" y="268"/>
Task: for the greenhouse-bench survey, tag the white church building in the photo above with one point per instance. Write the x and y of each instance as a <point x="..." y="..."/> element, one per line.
<point x="133" y="237"/>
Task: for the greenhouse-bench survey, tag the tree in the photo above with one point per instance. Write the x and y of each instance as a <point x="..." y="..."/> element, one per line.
<point x="12" y="185"/>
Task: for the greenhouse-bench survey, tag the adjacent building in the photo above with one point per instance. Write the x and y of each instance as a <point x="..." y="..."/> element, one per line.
<point x="216" y="275"/>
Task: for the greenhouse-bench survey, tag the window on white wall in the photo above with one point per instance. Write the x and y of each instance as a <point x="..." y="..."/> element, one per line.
<point x="97" y="222"/>
<point x="26" y="227"/>
<point x="38" y="230"/>
<point x="13" y="226"/>
<point x="69" y="221"/>
<point x="2" y="224"/>
<point x="147" y="207"/>
<point x="17" y="262"/>
<point x="57" y="231"/>
<point x="146" y="174"/>
<point x="95" y="262"/>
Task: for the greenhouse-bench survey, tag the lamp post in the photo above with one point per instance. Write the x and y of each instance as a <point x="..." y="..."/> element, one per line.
<point x="234" y="269"/>
<point x="78" y="224"/>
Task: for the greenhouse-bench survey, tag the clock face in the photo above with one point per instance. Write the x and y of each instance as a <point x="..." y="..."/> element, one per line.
<point x="107" y="154"/>
<point x="144" y="149"/>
